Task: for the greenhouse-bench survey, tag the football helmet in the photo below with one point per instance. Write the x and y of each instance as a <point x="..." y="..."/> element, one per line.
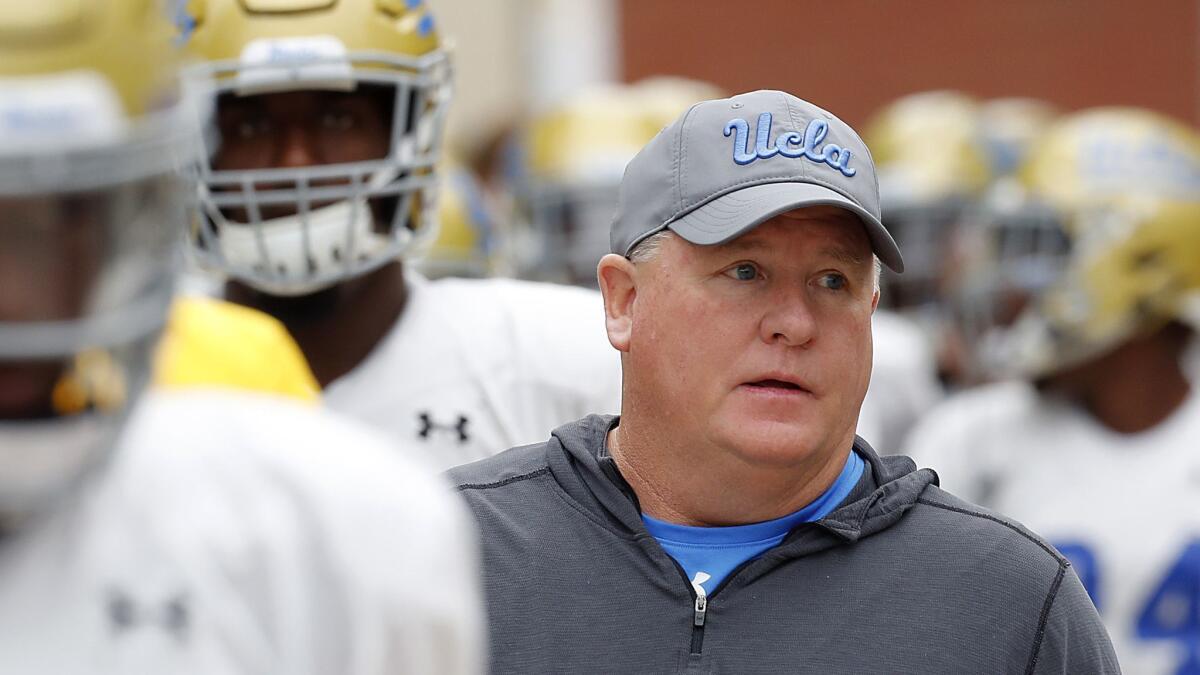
<point x="1121" y="187"/>
<point x="1009" y="127"/>
<point x="93" y="131"/>
<point x="572" y="158"/>
<point x="933" y="167"/>
<point x="294" y="231"/>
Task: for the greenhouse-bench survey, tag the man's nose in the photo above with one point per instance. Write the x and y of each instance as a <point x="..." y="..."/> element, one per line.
<point x="298" y="148"/>
<point x="789" y="319"/>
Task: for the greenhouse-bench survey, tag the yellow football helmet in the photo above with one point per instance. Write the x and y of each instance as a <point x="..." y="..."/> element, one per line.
<point x="339" y="220"/>
<point x="1123" y="187"/>
<point x="573" y="157"/>
<point x="93" y="130"/>
<point x="933" y="167"/>
<point x="1009" y="127"/>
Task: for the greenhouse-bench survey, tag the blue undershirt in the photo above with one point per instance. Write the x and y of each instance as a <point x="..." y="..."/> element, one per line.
<point x="709" y="554"/>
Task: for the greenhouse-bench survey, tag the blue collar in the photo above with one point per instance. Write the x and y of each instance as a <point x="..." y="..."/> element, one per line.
<point x="770" y="529"/>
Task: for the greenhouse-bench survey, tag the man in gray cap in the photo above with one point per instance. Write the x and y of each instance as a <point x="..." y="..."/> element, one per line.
<point x="730" y="520"/>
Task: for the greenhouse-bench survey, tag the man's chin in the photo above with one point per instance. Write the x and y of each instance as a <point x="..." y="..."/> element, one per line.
<point x="771" y="442"/>
<point x="286" y="308"/>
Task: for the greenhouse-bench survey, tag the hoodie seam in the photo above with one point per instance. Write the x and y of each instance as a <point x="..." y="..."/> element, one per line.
<point x="562" y="494"/>
<point x="1045" y="616"/>
<point x="501" y="483"/>
<point x="1062" y="562"/>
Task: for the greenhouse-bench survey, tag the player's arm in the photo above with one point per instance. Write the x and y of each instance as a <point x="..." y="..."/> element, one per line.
<point x="1073" y="639"/>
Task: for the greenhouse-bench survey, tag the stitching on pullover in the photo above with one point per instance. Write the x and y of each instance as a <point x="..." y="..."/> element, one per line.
<point x="1062" y="562"/>
<point x="502" y="483"/>
<point x="1041" y="629"/>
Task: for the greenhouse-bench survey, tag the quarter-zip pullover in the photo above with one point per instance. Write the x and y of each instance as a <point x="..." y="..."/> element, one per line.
<point x="902" y="577"/>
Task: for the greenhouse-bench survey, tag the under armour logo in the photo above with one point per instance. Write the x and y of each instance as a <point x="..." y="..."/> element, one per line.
<point x="428" y="426"/>
<point x="126" y="614"/>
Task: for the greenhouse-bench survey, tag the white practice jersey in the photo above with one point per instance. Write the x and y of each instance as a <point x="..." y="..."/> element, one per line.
<point x="476" y="366"/>
<point x="904" y="383"/>
<point x="237" y="534"/>
<point x="1124" y="508"/>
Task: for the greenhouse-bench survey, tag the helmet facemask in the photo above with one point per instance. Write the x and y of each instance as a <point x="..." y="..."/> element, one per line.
<point x="1015" y="255"/>
<point x="88" y="277"/>
<point x="295" y="231"/>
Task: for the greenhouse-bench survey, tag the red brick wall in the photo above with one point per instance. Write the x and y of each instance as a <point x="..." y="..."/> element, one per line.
<point x="852" y="56"/>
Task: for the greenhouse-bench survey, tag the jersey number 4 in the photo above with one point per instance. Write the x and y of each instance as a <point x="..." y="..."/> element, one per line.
<point x="1172" y="612"/>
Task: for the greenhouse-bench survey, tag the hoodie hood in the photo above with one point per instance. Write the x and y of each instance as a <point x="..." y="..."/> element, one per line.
<point x="578" y="458"/>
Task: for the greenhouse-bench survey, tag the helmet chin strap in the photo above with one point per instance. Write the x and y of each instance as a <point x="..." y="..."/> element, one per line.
<point x="304" y="253"/>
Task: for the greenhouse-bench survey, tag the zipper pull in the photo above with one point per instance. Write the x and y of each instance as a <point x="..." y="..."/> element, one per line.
<point x="701" y="607"/>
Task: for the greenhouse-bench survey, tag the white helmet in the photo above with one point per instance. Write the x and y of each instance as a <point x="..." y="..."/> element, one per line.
<point x="92" y="134"/>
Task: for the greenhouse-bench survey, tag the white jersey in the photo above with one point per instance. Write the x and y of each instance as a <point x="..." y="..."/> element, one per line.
<point x="903" y="385"/>
<point x="1124" y="508"/>
<point x="476" y="366"/>
<point x="240" y="534"/>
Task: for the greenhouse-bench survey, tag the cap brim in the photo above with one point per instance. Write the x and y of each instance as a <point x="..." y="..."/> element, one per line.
<point x="729" y="216"/>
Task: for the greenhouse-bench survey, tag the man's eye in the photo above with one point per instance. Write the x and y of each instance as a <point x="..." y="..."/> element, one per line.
<point x="337" y="121"/>
<point x="250" y="129"/>
<point x="743" y="272"/>
<point x="834" y="281"/>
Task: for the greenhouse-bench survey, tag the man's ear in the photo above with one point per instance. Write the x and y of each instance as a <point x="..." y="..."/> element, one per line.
<point x="619" y="287"/>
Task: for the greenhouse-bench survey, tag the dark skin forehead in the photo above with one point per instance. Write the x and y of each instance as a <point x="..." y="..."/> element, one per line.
<point x="298" y="105"/>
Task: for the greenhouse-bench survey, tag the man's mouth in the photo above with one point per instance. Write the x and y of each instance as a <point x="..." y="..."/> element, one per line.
<point x="777" y="385"/>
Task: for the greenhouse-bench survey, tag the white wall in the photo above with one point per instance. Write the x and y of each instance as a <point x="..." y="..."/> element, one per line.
<point x="512" y="56"/>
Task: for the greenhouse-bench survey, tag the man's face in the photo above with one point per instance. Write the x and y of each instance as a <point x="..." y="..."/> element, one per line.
<point x="50" y="254"/>
<point x="301" y="129"/>
<point x="761" y="346"/>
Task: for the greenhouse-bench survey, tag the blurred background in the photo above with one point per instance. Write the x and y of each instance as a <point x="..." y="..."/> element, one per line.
<point x="851" y="57"/>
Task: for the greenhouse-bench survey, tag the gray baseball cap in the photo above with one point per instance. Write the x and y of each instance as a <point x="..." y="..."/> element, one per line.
<point x="727" y="165"/>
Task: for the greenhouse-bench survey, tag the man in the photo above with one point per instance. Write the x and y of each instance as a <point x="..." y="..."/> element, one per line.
<point x="330" y="123"/>
<point x="1093" y="439"/>
<point x="209" y="534"/>
<point x="575" y="154"/>
<point x="729" y="520"/>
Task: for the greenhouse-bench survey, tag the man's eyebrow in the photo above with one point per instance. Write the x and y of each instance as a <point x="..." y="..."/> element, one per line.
<point x="745" y="244"/>
<point x="841" y="255"/>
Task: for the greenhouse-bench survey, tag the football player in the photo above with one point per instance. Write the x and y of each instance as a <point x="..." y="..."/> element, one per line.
<point x="329" y="120"/>
<point x="1093" y="444"/>
<point x="198" y="533"/>
<point x="934" y="168"/>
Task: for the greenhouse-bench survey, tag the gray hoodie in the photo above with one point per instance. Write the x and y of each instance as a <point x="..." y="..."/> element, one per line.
<point x="900" y="578"/>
